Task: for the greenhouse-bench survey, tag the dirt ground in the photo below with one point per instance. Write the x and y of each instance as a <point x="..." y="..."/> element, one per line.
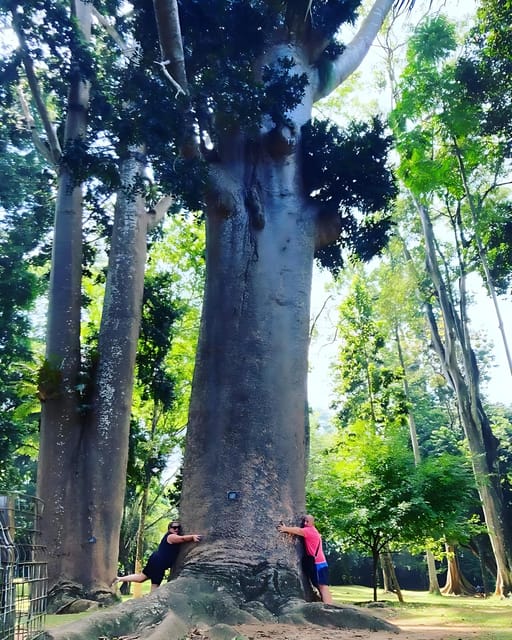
<point x="409" y="631"/>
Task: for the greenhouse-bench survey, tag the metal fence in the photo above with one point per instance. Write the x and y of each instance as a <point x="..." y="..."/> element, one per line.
<point x="23" y="568"/>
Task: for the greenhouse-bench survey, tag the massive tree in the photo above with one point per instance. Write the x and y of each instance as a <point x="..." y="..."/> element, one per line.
<point x="276" y="190"/>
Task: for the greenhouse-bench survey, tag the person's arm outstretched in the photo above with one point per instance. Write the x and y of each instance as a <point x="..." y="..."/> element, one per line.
<point x="293" y="531"/>
<point x="174" y="538"/>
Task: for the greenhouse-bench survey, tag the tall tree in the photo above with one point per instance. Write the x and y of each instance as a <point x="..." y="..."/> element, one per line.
<point x="86" y="392"/>
<point x="426" y="118"/>
<point x="276" y="189"/>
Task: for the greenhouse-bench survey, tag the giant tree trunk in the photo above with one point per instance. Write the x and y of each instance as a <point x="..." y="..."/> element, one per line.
<point x="244" y="467"/>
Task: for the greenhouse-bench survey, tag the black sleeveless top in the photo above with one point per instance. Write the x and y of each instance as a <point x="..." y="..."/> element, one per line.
<point x="167" y="553"/>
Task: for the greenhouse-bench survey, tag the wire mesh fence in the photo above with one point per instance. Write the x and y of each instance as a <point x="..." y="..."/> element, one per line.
<point x="23" y="568"/>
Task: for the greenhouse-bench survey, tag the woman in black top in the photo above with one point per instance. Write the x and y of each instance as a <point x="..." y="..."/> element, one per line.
<point x="161" y="559"/>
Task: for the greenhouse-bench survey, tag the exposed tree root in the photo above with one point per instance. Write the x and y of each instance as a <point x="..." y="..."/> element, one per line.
<point x="69" y="597"/>
<point x="190" y="603"/>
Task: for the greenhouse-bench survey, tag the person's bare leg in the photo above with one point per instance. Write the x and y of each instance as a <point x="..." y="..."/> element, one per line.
<point x="325" y="593"/>
<point x="132" y="577"/>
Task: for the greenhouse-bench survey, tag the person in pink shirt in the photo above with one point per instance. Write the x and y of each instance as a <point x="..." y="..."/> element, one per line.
<point x="319" y="575"/>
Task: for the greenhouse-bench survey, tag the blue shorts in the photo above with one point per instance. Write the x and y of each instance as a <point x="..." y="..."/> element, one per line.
<point x="322" y="574"/>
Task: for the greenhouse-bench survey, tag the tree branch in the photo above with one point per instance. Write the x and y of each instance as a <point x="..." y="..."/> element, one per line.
<point x="53" y="149"/>
<point x="112" y="32"/>
<point x="171" y="45"/>
<point x="39" y="144"/>
<point x="159" y="210"/>
<point x="355" y="52"/>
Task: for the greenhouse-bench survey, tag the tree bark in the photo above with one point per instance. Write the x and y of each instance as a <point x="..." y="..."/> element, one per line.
<point x="456" y="583"/>
<point x="244" y="467"/>
<point x="60" y="438"/>
<point x="391" y="583"/>
<point x="106" y="441"/>
<point x="84" y="473"/>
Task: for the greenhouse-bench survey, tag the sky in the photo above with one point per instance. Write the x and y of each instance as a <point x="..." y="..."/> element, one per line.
<point x="483" y="317"/>
<point x="323" y="348"/>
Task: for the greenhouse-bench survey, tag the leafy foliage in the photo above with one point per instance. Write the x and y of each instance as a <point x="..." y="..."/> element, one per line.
<point x="347" y="171"/>
<point x="25" y="218"/>
<point x="486" y="68"/>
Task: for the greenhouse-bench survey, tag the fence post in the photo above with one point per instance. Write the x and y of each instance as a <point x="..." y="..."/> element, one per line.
<point x="23" y="568"/>
<point x="7" y="569"/>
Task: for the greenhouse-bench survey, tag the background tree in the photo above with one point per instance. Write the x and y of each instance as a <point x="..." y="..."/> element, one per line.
<point x="427" y="168"/>
<point x="372" y="424"/>
<point x="59" y="65"/>
<point x="24" y="221"/>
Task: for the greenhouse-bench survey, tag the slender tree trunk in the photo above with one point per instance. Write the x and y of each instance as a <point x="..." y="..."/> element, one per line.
<point x="431" y="563"/>
<point x="482" y="253"/>
<point x="481" y="548"/>
<point x="465" y="382"/>
<point x="107" y="435"/>
<point x="433" y="582"/>
<point x="82" y="469"/>
<point x="244" y="467"/>
<point x="390" y="578"/>
<point x="375" y="566"/>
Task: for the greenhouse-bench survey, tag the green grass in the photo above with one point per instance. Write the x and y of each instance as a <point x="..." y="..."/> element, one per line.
<point x="492" y="617"/>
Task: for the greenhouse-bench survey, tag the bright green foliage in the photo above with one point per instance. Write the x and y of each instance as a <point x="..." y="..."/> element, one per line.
<point x="364" y="485"/>
<point x="24" y="220"/>
<point x="486" y="68"/>
<point x="369" y="494"/>
<point x="179" y="252"/>
<point x="368" y="389"/>
<point x="378" y="496"/>
<point x="448" y="147"/>
<point x="170" y="324"/>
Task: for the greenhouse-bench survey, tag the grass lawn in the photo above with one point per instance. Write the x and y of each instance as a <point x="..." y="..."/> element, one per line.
<point x="491" y="616"/>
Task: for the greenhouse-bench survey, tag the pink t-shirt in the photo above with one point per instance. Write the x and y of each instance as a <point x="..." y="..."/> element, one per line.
<point x="311" y="540"/>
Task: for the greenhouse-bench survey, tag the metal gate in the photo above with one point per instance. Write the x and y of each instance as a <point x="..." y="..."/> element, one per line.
<point x="23" y="568"/>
